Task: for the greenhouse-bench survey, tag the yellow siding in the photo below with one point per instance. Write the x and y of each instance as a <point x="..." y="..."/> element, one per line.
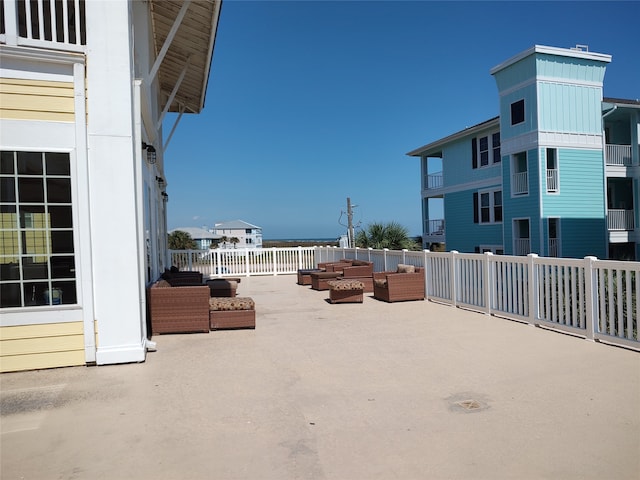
<point x="51" y="345"/>
<point x="36" y="100"/>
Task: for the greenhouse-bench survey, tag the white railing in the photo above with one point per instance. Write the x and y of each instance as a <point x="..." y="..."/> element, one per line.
<point x="618" y="155"/>
<point x="520" y="183"/>
<point x="434" y="180"/>
<point x="58" y="25"/>
<point x="552" y="180"/>
<point x="434" y="227"/>
<point x="620" y="220"/>
<point x="591" y="298"/>
<point x="522" y="246"/>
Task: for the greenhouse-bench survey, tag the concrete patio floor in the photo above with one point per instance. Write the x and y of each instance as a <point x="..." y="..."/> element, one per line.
<point x="412" y="390"/>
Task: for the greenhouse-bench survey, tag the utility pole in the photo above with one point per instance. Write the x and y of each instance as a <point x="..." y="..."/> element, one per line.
<point x="350" y="232"/>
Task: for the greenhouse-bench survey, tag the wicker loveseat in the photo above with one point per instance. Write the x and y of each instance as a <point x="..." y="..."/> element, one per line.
<point x="406" y="283"/>
<point x="178" y="309"/>
<point x="362" y="271"/>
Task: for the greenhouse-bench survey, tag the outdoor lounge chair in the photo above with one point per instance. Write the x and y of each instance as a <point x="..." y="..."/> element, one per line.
<point x="401" y="285"/>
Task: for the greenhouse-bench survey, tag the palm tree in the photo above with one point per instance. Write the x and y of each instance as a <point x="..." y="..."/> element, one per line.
<point x="391" y="235"/>
<point x="234" y="240"/>
<point x="222" y="242"/>
<point x="179" y="240"/>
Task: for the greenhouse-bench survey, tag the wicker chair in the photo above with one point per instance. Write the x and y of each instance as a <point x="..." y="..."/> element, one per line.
<point x="178" y="309"/>
<point x="399" y="287"/>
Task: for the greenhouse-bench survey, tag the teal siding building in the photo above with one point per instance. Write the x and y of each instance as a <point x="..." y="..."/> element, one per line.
<point x="557" y="173"/>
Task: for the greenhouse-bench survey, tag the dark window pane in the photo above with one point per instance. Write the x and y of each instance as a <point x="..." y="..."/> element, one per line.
<point x="60" y="217"/>
<point x="35" y="242"/>
<point x="59" y="190"/>
<point x="29" y="163"/>
<point x="6" y="162"/>
<point x="484" y="158"/>
<point x="8" y="216"/>
<point x="67" y="291"/>
<point x="7" y="190"/>
<point x="484" y="143"/>
<point x="31" y="190"/>
<point x="63" y="267"/>
<point x="485" y="215"/>
<point x="33" y="216"/>
<point x="484" y="200"/>
<point x="9" y="240"/>
<point x="32" y="270"/>
<point x="9" y="269"/>
<point x="61" y="242"/>
<point x="497" y="214"/>
<point x="10" y="295"/>
<point x="34" y="293"/>
<point x="53" y="296"/>
<point x="517" y="112"/>
<point x="58" y="164"/>
<point x="497" y="198"/>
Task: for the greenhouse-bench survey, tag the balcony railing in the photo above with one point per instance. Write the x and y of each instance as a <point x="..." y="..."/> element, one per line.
<point x="57" y="25"/>
<point x="622" y="220"/>
<point x="434" y="227"/>
<point x="618" y="155"/>
<point x="520" y="183"/>
<point x="595" y="299"/>
<point x="552" y="180"/>
<point x="554" y="247"/>
<point x="433" y="180"/>
<point x="523" y="246"/>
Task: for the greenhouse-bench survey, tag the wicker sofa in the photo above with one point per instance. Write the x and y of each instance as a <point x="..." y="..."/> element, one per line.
<point x="178" y="309"/>
<point x="362" y="271"/>
<point x="406" y="283"/>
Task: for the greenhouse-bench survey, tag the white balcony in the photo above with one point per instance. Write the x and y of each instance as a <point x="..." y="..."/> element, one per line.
<point x="520" y="183"/>
<point x="434" y="227"/>
<point x="621" y="220"/>
<point x="58" y="25"/>
<point x="522" y="246"/>
<point x="618" y="155"/>
<point x="433" y="180"/>
<point x="552" y="180"/>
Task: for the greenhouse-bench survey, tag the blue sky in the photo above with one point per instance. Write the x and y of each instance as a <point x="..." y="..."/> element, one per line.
<point x="312" y="102"/>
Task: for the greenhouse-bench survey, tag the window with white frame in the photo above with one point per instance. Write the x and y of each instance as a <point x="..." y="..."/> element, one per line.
<point x="485" y="150"/>
<point x="488" y="206"/>
<point x="37" y="261"/>
<point x="553" y="229"/>
<point x="519" y="174"/>
<point x="553" y="185"/>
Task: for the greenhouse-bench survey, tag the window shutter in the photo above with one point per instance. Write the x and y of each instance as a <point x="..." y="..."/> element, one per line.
<point x="474" y="152"/>
<point x="475" y="207"/>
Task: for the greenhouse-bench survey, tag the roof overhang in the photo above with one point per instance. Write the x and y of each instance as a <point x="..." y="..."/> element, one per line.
<point x="184" y="35"/>
<point x="436" y="146"/>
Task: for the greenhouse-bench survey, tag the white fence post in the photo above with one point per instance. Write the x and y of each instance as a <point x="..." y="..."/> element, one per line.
<point x="591" y="296"/>
<point x="385" y="259"/>
<point x="275" y="271"/>
<point x="246" y="262"/>
<point x="487" y="283"/>
<point x="425" y="262"/>
<point x="189" y="254"/>
<point x="452" y="278"/>
<point x="533" y="280"/>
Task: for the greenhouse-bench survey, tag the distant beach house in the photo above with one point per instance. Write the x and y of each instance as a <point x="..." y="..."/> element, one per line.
<point x="249" y="236"/>
<point x="203" y="238"/>
<point x="557" y="173"/>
